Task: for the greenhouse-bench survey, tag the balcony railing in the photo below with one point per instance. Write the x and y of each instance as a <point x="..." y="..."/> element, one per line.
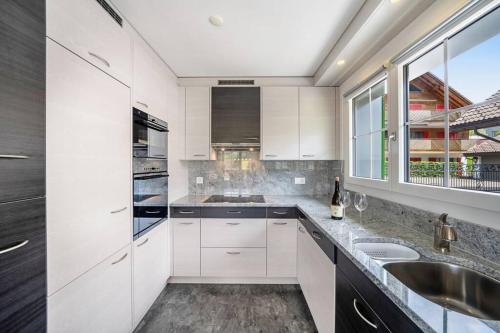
<point x="438" y="144"/>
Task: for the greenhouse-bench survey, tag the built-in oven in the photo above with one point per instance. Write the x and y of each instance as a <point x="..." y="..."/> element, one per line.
<point x="150" y="165"/>
<point x="150" y="136"/>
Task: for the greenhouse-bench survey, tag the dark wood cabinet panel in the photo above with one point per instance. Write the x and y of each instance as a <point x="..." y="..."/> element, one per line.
<point x="22" y="99"/>
<point x="185" y="212"/>
<point x="319" y="237"/>
<point x="23" y="288"/>
<point x="281" y="213"/>
<point x="233" y="212"/>
<point x="236" y="115"/>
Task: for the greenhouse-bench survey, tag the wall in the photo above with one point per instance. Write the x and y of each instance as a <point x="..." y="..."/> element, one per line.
<point x="244" y="173"/>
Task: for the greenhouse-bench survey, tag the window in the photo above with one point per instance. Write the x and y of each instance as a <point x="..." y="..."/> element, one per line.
<point x="369" y="132"/>
<point x="452" y="114"/>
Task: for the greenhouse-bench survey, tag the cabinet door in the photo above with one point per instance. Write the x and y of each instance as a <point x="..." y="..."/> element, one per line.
<point x="150" y="269"/>
<point x="316" y="123"/>
<point x="22" y="266"/>
<point x="186" y="247"/>
<point x="197" y="123"/>
<point x="22" y="104"/>
<point x="87" y="29"/>
<point x="233" y="262"/>
<point x="233" y="232"/>
<point x="280" y="123"/>
<point x="88" y="166"/>
<point x="281" y="247"/>
<point x="98" y="301"/>
<point x="149" y="88"/>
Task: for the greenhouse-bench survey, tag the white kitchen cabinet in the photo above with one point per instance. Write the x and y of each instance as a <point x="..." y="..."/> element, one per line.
<point x="233" y="262"/>
<point x="317" y="117"/>
<point x="186" y="246"/>
<point x="88" y="147"/>
<point x="316" y="276"/>
<point x="150" y="269"/>
<point x="87" y="29"/>
<point x="280" y="123"/>
<point x="98" y="301"/>
<point x="281" y="248"/>
<point x="150" y="81"/>
<point x="237" y="232"/>
<point x="197" y="123"/>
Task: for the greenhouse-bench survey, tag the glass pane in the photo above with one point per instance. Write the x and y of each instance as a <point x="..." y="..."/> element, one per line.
<point x="379" y="155"/>
<point x="362" y="161"/>
<point x="361" y="108"/>
<point x="378" y="106"/>
<point x="473" y="65"/>
<point x="426" y="153"/>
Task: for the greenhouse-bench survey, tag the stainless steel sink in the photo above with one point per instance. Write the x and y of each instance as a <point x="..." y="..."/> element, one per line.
<point x="454" y="287"/>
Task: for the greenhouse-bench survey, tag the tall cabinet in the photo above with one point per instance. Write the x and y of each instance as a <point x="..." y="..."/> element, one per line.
<point x="22" y="166"/>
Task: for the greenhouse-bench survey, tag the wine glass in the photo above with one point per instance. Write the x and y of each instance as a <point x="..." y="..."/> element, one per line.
<point x="361" y="203"/>
<point x="345" y="200"/>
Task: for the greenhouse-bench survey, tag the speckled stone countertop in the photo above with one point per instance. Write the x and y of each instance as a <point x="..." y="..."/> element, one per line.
<point x="429" y="316"/>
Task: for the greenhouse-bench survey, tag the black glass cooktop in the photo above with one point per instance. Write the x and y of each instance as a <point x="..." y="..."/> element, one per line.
<point x="236" y="199"/>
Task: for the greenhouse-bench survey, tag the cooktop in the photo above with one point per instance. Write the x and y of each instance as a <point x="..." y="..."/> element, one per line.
<point x="235" y="199"/>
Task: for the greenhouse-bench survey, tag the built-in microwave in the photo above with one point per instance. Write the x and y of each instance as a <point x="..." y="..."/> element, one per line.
<point x="150" y="136"/>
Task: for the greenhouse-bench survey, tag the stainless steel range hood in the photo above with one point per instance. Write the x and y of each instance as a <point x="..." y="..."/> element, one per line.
<point x="236" y="118"/>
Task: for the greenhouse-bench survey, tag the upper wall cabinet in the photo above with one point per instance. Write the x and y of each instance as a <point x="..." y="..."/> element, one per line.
<point x="316" y="113"/>
<point x="280" y="123"/>
<point x="87" y="29"/>
<point x="149" y="88"/>
<point x="197" y="123"/>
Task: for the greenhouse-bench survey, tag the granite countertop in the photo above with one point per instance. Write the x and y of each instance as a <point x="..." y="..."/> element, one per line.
<point x="430" y="317"/>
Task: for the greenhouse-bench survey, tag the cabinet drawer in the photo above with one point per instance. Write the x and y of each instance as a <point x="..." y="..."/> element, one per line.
<point x="85" y="28"/>
<point x="233" y="233"/>
<point x="22" y="268"/>
<point x="282" y="247"/>
<point x="186" y="247"/>
<point x="281" y="213"/>
<point x="185" y="212"/>
<point x="233" y="262"/>
<point x="233" y="212"/>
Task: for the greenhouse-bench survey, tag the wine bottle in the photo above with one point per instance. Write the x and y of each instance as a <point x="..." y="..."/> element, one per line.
<point x="336" y="207"/>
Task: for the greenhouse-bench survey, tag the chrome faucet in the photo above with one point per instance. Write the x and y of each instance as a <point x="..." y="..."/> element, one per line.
<point x="444" y="233"/>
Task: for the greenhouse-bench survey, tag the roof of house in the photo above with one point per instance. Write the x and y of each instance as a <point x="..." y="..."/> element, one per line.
<point x="434" y="85"/>
<point x="483" y="116"/>
<point x="484" y="147"/>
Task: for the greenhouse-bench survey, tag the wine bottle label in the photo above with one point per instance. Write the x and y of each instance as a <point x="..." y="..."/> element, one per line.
<point x="337" y="211"/>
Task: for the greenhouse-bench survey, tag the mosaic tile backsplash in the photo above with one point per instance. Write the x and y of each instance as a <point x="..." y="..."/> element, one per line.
<point x="243" y="173"/>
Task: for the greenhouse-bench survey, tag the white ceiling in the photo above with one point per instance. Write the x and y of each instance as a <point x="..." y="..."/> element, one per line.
<point x="258" y="38"/>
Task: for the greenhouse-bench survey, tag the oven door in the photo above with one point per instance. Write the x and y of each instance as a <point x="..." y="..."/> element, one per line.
<point x="150" y="201"/>
<point x="150" y="136"/>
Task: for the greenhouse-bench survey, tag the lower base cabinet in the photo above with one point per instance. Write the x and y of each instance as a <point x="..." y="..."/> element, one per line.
<point x="98" y="301"/>
<point x="186" y="246"/>
<point x="151" y="269"/>
<point x="233" y="262"/>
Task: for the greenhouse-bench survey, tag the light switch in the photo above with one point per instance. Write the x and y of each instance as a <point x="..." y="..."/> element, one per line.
<point x="199" y="180"/>
<point x="300" y="180"/>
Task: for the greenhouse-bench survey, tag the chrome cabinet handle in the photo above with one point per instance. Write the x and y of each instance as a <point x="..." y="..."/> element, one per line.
<point x="186" y="212"/>
<point x="13" y="247"/>
<point x="302" y="230"/>
<point x="233" y="252"/>
<point x="104" y="61"/>
<point x="233" y="223"/>
<point x="354" y="303"/>
<point x="143" y="104"/>
<point x="186" y="223"/>
<point x="280" y="213"/>
<point x="234" y="212"/>
<point x="152" y="211"/>
<point x="316" y="235"/>
<point x="308" y="155"/>
<point x="253" y="138"/>
<point x="121" y="259"/>
<point x="118" y="210"/>
<point x="145" y="241"/>
<point x="199" y="155"/>
<point x="280" y="223"/>
<point x="14" y="157"/>
<point x="271" y="155"/>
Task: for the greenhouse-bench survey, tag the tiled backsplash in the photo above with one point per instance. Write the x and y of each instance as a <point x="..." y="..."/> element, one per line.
<point x="244" y="173"/>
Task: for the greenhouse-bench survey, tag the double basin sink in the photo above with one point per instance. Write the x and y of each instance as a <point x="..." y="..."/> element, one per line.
<point x="454" y="287"/>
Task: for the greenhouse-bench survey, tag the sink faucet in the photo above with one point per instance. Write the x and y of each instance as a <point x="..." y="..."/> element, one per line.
<point x="444" y="233"/>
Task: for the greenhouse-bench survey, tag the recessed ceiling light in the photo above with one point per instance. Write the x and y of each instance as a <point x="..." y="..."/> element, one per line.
<point x="341" y="62"/>
<point x="216" y="20"/>
<point x="394" y="1"/>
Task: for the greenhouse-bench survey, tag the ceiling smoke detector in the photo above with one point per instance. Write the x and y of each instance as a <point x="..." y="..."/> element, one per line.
<point x="216" y="20"/>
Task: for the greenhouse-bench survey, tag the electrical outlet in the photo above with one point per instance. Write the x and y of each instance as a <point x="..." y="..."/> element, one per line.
<point x="300" y="180"/>
<point x="199" y="180"/>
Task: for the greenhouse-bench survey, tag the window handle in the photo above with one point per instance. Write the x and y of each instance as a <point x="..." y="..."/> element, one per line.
<point x="393" y="136"/>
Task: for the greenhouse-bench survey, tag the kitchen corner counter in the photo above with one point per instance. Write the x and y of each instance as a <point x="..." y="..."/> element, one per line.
<point x="428" y="316"/>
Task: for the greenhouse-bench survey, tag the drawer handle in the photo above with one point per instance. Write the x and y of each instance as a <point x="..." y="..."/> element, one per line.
<point x="316" y="235"/>
<point x="252" y="138"/>
<point x="118" y="210"/>
<point x="119" y="260"/>
<point x="308" y="155"/>
<point x="354" y="303"/>
<point x="233" y="252"/>
<point x="14" y="157"/>
<point x="233" y="223"/>
<point x="280" y="213"/>
<point x="143" y="104"/>
<point x="234" y="212"/>
<point x="302" y="230"/>
<point x="186" y="223"/>
<point x="271" y="155"/>
<point x="145" y="241"/>
<point x="152" y="211"/>
<point x="13" y="247"/>
<point x="104" y="61"/>
<point x="199" y="155"/>
<point x="280" y="223"/>
<point x="186" y="212"/>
